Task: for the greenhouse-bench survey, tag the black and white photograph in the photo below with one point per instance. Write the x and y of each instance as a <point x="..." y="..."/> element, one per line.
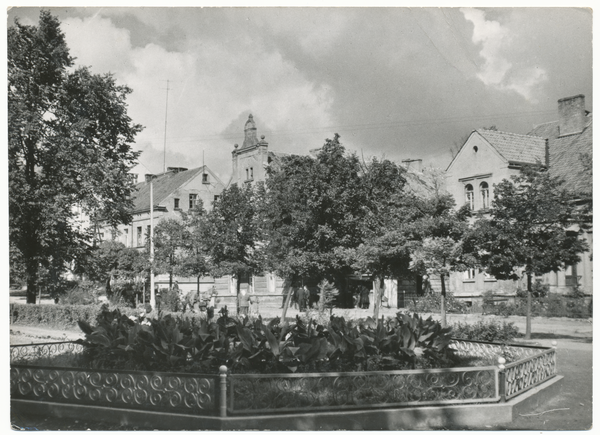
<point x="300" y="217"/>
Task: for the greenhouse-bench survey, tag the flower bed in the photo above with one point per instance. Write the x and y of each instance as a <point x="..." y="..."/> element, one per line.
<point x="243" y="367"/>
<point x="256" y="394"/>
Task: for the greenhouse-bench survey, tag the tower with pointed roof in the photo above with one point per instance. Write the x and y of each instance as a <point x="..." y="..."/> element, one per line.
<point x="251" y="159"/>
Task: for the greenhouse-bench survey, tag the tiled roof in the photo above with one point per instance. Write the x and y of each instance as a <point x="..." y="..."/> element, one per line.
<point x="565" y="154"/>
<point x="517" y="148"/>
<point x="163" y="185"/>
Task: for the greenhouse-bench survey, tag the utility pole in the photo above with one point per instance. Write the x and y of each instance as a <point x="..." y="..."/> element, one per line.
<point x="165" y="141"/>
<point x="152" y="292"/>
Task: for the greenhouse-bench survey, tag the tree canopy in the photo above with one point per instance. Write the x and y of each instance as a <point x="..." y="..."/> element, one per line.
<point x="528" y="229"/>
<point x="69" y="151"/>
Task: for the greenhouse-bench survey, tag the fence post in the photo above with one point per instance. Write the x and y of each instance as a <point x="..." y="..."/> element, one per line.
<point x="554" y="346"/>
<point x="501" y="379"/>
<point x="223" y="396"/>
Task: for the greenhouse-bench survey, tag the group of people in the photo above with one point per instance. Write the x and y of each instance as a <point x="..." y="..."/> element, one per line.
<point x="361" y="298"/>
<point x="301" y="297"/>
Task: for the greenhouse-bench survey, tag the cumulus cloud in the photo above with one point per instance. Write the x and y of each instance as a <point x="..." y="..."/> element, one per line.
<point x="496" y="45"/>
<point x="211" y="83"/>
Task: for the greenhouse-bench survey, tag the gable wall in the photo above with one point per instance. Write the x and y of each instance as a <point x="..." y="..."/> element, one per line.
<point x="485" y="165"/>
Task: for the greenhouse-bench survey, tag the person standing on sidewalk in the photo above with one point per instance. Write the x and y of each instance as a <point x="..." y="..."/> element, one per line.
<point x="243" y="302"/>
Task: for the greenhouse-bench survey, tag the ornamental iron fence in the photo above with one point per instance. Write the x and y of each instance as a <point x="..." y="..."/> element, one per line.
<point x="252" y="394"/>
<point x="34" y="378"/>
<point x="165" y="392"/>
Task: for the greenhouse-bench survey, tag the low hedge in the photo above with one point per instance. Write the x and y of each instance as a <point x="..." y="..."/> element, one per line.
<point x="432" y="302"/>
<point x="57" y="316"/>
<point x="553" y="305"/>
<point x="485" y="331"/>
<point x="66" y="316"/>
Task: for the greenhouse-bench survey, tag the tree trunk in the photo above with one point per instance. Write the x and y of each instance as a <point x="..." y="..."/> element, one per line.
<point x="32" y="285"/>
<point x="237" y="293"/>
<point x="322" y="300"/>
<point x="377" y="290"/>
<point x="443" y="301"/>
<point x="286" y="304"/>
<point x="528" y="317"/>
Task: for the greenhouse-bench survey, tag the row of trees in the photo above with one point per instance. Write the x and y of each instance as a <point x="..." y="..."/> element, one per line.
<point x="335" y="215"/>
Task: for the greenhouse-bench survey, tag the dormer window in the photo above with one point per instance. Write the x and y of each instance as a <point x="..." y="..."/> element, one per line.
<point x="484" y="191"/>
<point x="469" y="198"/>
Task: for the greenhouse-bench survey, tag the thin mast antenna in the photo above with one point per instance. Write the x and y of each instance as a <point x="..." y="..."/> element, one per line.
<point x="165" y="142"/>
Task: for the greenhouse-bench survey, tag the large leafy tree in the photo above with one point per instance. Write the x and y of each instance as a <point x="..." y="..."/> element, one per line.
<point x="194" y="255"/>
<point x="438" y="241"/>
<point x="312" y="213"/>
<point x="232" y="235"/>
<point x="387" y="210"/>
<point x="528" y="230"/>
<point x="111" y="260"/>
<point x="69" y="146"/>
<point x="169" y="244"/>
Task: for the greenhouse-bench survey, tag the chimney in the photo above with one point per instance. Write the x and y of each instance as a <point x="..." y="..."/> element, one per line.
<point x="571" y="115"/>
<point x="148" y="177"/>
<point x="417" y="167"/>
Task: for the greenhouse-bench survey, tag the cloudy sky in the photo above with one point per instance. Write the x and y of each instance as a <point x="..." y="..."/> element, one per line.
<point x="398" y="83"/>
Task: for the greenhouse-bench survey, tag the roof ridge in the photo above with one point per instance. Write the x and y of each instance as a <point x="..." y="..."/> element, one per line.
<point x="509" y="133"/>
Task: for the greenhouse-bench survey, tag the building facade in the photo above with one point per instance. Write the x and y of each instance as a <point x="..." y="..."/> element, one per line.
<point x="488" y="156"/>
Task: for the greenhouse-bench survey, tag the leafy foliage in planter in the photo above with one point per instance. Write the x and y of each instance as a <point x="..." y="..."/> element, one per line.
<point x="250" y="346"/>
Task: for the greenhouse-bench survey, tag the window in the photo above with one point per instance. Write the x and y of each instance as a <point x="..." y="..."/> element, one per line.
<point x="469" y="275"/>
<point x="247" y="174"/>
<point x="147" y="232"/>
<point x="251" y="173"/>
<point x="176" y="203"/>
<point x="469" y="198"/>
<point x="205" y="178"/>
<point x="484" y="190"/>
<point x="139" y="236"/>
<point x="571" y="275"/>
<point x="125" y="236"/>
<point x="216" y="198"/>
<point x="193" y="199"/>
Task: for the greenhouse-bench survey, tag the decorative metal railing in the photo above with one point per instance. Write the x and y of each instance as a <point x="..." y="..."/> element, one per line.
<point x="483" y="349"/>
<point x="330" y="391"/>
<point x="522" y="375"/>
<point x="33" y="378"/>
<point x="164" y="392"/>
<point x="43" y="353"/>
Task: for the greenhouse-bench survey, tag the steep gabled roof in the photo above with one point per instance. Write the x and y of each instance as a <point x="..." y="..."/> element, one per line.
<point x="163" y="185"/>
<point x="566" y="154"/>
<point x="516" y="148"/>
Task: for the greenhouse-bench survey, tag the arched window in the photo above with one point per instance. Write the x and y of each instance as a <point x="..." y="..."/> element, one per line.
<point x="484" y="190"/>
<point x="469" y="198"/>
